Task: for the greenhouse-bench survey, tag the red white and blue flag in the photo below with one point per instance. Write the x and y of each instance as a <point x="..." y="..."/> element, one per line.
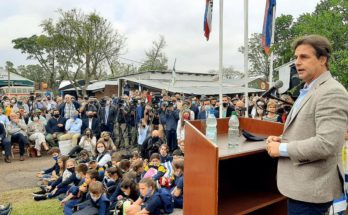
<point x="208" y="15"/>
<point x="267" y="25"/>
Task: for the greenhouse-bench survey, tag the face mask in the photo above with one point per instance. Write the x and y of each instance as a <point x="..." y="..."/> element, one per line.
<point x="193" y="102"/>
<point x="13" y="101"/>
<point x="71" y="169"/>
<point x="100" y="150"/>
<point x="155" y="139"/>
<point x="95" y="199"/>
<point x="78" y="176"/>
<point x="213" y="105"/>
<point x="107" y="102"/>
<point x="56" y="115"/>
<point x="55" y="158"/>
<point x="35" y="118"/>
<point x="224" y="104"/>
<point x="90" y="116"/>
<point x="74" y="117"/>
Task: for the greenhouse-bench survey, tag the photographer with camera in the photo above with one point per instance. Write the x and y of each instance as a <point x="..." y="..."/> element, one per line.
<point x="121" y="126"/>
<point x="170" y="119"/>
<point x="133" y="123"/>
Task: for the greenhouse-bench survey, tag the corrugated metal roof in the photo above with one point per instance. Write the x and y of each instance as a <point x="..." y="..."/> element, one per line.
<point x="13" y="76"/>
<point x="193" y="87"/>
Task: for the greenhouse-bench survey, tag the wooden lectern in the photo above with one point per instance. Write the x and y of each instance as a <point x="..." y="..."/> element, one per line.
<point x="223" y="181"/>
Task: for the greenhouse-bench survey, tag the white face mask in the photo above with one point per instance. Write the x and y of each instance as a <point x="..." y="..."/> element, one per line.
<point x="35" y="118"/>
<point x="95" y="199"/>
<point x="100" y="150"/>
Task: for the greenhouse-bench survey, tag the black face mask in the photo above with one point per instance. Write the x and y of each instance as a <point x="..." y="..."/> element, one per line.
<point x="72" y="169"/>
<point x="155" y="139"/>
<point x="90" y="116"/>
<point x="56" y="115"/>
<point x="224" y="104"/>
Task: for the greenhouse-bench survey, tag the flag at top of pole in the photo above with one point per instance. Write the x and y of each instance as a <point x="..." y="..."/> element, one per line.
<point x="208" y="17"/>
<point x="267" y="25"/>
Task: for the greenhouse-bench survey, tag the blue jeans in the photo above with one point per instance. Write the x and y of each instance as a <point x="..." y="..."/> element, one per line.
<point x="306" y="208"/>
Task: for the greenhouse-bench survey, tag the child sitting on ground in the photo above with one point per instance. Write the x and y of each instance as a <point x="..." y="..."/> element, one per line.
<point x="59" y="186"/>
<point x="73" y="195"/>
<point x="46" y="174"/>
<point x="97" y="202"/>
<point x="178" y="190"/>
<point x="154" y="169"/>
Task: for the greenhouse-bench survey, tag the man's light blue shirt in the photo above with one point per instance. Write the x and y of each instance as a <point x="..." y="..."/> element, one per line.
<point x="283" y="151"/>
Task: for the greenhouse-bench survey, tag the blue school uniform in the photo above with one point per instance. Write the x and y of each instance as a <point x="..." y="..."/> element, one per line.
<point x="179" y="183"/>
<point x="153" y="204"/>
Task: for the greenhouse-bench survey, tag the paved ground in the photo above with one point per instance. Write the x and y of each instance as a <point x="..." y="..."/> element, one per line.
<point x="21" y="174"/>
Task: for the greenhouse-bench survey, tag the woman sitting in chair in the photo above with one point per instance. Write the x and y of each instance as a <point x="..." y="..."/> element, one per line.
<point x="36" y="132"/>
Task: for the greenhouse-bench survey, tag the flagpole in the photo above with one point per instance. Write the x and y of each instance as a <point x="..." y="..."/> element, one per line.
<point x="246" y="59"/>
<point x="272" y="56"/>
<point x="220" y="55"/>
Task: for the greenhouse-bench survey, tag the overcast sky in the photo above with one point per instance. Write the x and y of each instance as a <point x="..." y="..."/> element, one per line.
<point x="142" y="21"/>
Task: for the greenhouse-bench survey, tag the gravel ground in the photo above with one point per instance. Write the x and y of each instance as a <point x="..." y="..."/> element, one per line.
<point x="21" y="174"/>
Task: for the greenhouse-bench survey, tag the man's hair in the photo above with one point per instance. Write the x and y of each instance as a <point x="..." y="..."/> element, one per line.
<point x="96" y="187"/>
<point x="83" y="168"/>
<point x="320" y="44"/>
<point x="93" y="174"/>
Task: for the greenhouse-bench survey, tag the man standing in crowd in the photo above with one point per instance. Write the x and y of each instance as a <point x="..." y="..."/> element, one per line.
<point x="309" y="151"/>
<point x="92" y="123"/>
<point x="68" y="108"/>
<point x="171" y="118"/>
<point x="106" y="115"/>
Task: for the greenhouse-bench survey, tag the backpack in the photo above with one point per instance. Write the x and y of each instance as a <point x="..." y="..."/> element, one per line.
<point x="167" y="200"/>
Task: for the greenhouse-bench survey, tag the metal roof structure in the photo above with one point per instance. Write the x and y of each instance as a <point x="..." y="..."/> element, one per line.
<point x="15" y="80"/>
<point x="95" y="86"/>
<point x="193" y="87"/>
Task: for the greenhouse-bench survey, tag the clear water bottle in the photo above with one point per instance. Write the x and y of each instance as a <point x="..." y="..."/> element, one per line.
<point x="233" y="131"/>
<point x="211" y="123"/>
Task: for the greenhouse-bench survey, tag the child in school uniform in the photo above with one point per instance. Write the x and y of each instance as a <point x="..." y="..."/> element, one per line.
<point x="97" y="202"/>
<point x="74" y="196"/>
<point x="47" y="173"/>
<point x="178" y="190"/>
<point x="154" y="169"/>
<point x="60" y="186"/>
<point x="149" y="201"/>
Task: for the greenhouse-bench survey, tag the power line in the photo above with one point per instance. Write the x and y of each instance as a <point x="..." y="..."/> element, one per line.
<point x="131" y="60"/>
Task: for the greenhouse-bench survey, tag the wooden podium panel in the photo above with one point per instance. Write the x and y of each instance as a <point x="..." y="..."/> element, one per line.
<point x="219" y="180"/>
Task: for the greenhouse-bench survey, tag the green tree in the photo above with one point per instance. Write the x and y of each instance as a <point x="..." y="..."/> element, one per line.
<point x="259" y="63"/>
<point x="76" y="46"/>
<point x="283" y="37"/>
<point x="33" y="72"/>
<point x="10" y="67"/>
<point x="155" y="58"/>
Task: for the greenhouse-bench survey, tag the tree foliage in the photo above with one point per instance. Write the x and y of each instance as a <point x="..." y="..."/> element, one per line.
<point x="155" y="57"/>
<point x="330" y="19"/>
<point x="76" y="46"/>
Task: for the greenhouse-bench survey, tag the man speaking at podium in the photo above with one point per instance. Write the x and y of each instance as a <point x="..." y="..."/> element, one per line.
<point x="310" y="162"/>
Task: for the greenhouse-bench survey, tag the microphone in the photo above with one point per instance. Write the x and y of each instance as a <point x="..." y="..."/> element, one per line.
<point x="278" y="84"/>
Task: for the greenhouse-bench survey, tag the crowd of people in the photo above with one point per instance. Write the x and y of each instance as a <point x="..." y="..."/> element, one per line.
<point x="127" y="153"/>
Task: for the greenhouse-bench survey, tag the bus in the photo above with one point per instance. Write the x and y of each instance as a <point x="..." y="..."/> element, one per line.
<point x="16" y="91"/>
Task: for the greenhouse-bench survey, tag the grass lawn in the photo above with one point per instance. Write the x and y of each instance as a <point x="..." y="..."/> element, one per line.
<point x="23" y="203"/>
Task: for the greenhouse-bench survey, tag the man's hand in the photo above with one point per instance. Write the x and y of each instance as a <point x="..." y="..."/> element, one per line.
<point x="60" y="125"/>
<point x="273" y="143"/>
<point x="273" y="149"/>
<point x="273" y="139"/>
